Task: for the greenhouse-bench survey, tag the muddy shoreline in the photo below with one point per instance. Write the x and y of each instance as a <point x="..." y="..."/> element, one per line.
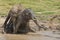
<point x="40" y="35"/>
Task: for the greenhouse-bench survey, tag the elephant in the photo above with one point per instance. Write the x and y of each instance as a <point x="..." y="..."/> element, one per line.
<point x="12" y="16"/>
<point x="22" y="24"/>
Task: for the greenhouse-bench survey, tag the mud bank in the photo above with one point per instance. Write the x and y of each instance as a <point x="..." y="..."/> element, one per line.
<point x="42" y="35"/>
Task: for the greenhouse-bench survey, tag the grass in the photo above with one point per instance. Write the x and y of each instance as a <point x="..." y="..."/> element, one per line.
<point x="46" y="7"/>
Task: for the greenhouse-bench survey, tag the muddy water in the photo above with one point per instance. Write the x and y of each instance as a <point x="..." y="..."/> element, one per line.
<point x="42" y="35"/>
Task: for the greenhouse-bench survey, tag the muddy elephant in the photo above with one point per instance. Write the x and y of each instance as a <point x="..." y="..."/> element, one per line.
<point x="12" y="16"/>
<point x="22" y="24"/>
<point x="18" y="19"/>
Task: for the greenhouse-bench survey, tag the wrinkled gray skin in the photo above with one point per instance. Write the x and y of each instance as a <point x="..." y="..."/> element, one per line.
<point x="23" y="20"/>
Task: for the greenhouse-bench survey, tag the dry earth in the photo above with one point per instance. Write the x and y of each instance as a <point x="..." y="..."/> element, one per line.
<point x="40" y="35"/>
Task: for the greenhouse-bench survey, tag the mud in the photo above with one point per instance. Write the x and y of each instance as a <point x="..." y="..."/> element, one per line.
<point x="39" y="35"/>
<point x="43" y="35"/>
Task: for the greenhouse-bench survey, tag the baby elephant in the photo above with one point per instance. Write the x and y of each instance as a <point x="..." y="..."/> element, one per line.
<point x="10" y="21"/>
<point x="22" y="24"/>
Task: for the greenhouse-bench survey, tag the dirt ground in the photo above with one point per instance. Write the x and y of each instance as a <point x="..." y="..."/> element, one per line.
<point x="39" y="35"/>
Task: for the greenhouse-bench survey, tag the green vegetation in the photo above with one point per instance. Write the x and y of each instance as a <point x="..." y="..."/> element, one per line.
<point x="47" y="7"/>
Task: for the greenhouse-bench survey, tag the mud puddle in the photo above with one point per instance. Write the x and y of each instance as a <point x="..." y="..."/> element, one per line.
<point x="42" y="35"/>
